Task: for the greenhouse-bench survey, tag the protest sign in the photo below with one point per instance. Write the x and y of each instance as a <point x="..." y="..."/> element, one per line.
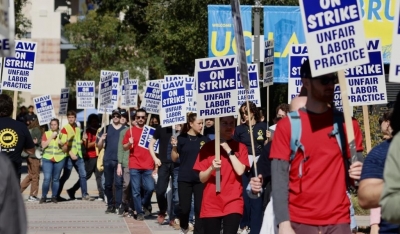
<point x="44" y="109"/>
<point x="129" y="93"/>
<point x="394" y="71"/>
<point x="216" y="87"/>
<point x="173" y="101"/>
<point x="64" y="97"/>
<point x="268" y="78"/>
<point x="335" y="30"/>
<point x="190" y="91"/>
<point x="152" y="97"/>
<point x="85" y="95"/>
<point x="253" y="94"/>
<point x="18" y="71"/>
<point x="297" y="55"/>
<point x="145" y="138"/>
<point x="366" y="83"/>
<point x="105" y="92"/>
<point x="115" y="92"/>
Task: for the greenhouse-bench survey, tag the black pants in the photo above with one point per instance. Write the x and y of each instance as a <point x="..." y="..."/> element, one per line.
<point x="185" y="191"/>
<point x="165" y="171"/>
<point x="17" y="169"/>
<point x="90" y="168"/>
<point x="230" y="224"/>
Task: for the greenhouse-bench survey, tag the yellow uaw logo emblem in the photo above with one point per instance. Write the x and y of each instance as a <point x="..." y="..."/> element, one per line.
<point x="201" y="144"/>
<point x="260" y="135"/>
<point x="8" y="139"/>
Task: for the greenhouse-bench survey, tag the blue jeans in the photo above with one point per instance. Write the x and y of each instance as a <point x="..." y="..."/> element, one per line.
<point x="253" y="208"/>
<point x="141" y="178"/>
<point x="51" y="170"/>
<point x="111" y="178"/>
<point x="79" y="166"/>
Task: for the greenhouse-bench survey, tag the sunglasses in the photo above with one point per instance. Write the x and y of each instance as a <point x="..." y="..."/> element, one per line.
<point x="327" y="81"/>
<point x="140" y="117"/>
<point x="116" y="116"/>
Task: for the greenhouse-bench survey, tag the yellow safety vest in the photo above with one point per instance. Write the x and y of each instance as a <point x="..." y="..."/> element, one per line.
<point x="74" y="140"/>
<point x="53" y="150"/>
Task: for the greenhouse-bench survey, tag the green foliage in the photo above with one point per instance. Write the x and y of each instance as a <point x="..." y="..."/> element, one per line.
<point x="103" y="44"/>
<point x="22" y="24"/>
<point x="357" y="209"/>
<point x="375" y="129"/>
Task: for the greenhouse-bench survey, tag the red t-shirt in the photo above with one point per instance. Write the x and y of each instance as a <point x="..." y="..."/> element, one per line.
<point x="91" y="137"/>
<point x="319" y="197"/>
<point x="230" y="199"/>
<point x="139" y="157"/>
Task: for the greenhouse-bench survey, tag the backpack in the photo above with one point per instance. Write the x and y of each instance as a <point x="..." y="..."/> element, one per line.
<point x="338" y="132"/>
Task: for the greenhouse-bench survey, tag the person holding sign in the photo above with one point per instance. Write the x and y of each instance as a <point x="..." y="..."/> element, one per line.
<point x="226" y="206"/>
<point x="252" y="217"/>
<point x="186" y="147"/>
<point x="141" y="167"/>
<point x="310" y="190"/>
<point x="53" y="161"/>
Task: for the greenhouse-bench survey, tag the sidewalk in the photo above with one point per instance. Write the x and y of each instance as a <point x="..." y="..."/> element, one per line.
<point x="85" y="217"/>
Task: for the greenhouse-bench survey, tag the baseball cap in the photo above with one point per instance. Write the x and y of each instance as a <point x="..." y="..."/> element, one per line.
<point x="124" y="113"/>
<point x="116" y="111"/>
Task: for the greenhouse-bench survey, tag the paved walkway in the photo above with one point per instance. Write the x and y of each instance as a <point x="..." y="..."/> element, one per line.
<point x="79" y="217"/>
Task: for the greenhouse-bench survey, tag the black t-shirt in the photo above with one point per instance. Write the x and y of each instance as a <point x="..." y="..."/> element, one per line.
<point x="30" y="117"/>
<point x="21" y="117"/>
<point x="242" y="134"/>
<point x="188" y="148"/>
<point x="14" y="138"/>
<point x="164" y="137"/>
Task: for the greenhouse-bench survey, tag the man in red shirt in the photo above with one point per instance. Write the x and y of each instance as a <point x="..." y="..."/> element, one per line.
<point x="141" y="166"/>
<point x="315" y="202"/>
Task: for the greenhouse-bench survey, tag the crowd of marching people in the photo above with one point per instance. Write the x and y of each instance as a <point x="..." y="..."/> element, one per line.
<point x="304" y="173"/>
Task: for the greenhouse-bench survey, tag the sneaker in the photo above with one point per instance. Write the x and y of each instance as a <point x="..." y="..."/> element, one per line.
<point x="87" y="198"/>
<point x="191" y="227"/>
<point x="110" y="210"/>
<point x="147" y="211"/>
<point x="100" y="199"/>
<point x="177" y="224"/>
<point x="33" y="199"/>
<point x="140" y="217"/>
<point x="54" y="200"/>
<point x="161" y="218"/>
<point x="183" y="231"/>
<point x="71" y="194"/>
<point x="120" y="211"/>
<point x="42" y="200"/>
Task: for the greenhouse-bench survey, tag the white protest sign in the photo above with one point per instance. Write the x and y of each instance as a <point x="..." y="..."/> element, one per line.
<point x="85" y="95"/>
<point x="366" y="83"/>
<point x="130" y="96"/>
<point x="115" y="92"/>
<point x="394" y="70"/>
<point x="216" y="87"/>
<point x="173" y="101"/>
<point x="105" y="92"/>
<point x="297" y="55"/>
<point x="145" y="138"/>
<point x="152" y="97"/>
<point x="18" y="71"/>
<point x="334" y="31"/>
<point x="190" y="91"/>
<point x="253" y="94"/>
<point x="44" y="109"/>
<point x="64" y="102"/>
<point x="268" y="78"/>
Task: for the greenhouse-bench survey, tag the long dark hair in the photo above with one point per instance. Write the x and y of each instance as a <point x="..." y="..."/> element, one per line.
<point x="191" y="117"/>
<point x="253" y="109"/>
<point x="34" y="124"/>
<point x="395" y="119"/>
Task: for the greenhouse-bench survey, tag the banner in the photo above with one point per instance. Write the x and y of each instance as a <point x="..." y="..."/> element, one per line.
<point x="85" y="96"/>
<point x="145" y="138"/>
<point x="64" y="101"/>
<point x="221" y="41"/>
<point x="44" y="109"/>
<point x="18" y="71"/>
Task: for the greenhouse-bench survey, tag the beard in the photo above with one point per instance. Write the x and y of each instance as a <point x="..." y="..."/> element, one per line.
<point x="323" y="95"/>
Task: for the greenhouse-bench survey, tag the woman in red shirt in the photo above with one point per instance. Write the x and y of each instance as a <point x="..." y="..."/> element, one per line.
<point x="227" y="205"/>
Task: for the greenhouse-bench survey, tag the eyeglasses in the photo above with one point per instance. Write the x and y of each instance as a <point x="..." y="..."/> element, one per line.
<point x="326" y="81"/>
<point x="116" y="116"/>
<point x="140" y="117"/>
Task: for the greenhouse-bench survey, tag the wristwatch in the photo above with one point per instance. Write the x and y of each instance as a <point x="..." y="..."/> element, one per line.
<point x="232" y="153"/>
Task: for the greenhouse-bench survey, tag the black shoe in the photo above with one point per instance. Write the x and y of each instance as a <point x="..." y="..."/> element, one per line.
<point x="54" y="200"/>
<point x="120" y="211"/>
<point x="110" y="210"/>
<point x="61" y="199"/>
<point x="147" y="211"/>
<point x="71" y="194"/>
<point x="42" y="200"/>
<point x="140" y="217"/>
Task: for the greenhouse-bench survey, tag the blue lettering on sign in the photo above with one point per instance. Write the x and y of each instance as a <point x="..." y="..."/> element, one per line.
<point x="173" y="97"/>
<point x="216" y="63"/>
<point x="373" y="68"/>
<point x="153" y="93"/>
<point x="22" y="60"/>
<point x="85" y="89"/>
<point x="374" y="9"/>
<point x="26" y="46"/>
<point x="397" y="70"/>
<point x="85" y="83"/>
<point x="330" y="13"/>
<point x="106" y="84"/>
<point x="5" y="44"/>
<point x="217" y="80"/>
<point x="253" y="80"/>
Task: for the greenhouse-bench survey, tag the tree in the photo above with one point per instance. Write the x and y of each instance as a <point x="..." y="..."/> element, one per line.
<point x="102" y="45"/>
<point x="22" y="24"/>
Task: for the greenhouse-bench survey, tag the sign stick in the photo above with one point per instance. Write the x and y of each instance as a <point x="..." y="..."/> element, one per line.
<point x="84" y="118"/>
<point x="238" y="120"/>
<point x="252" y="139"/>
<point x="15" y="103"/>
<point x="367" y="128"/>
<point x="347" y="116"/>
<point x="217" y="155"/>
<point x="267" y="117"/>
<point x="148" y="120"/>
